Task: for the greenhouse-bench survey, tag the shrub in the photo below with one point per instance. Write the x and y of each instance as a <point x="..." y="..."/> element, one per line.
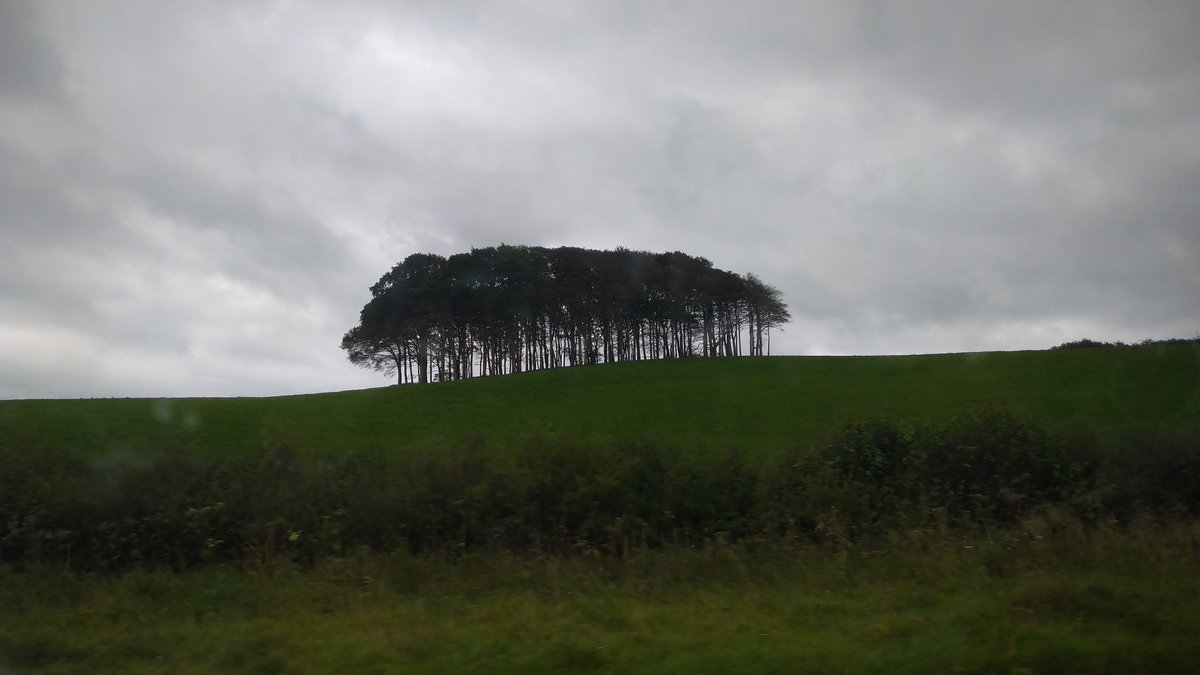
<point x="1087" y="343"/>
<point x="995" y="466"/>
<point x="986" y="466"/>
<point x="1155" y="469"/>
<point x="182" y="508"/>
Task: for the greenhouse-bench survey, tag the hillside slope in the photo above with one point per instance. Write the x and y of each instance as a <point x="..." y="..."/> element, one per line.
<point x="764" y="403"/>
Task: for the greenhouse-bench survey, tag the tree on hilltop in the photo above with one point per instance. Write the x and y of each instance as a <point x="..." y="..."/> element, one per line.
<point x="509" y="309"/>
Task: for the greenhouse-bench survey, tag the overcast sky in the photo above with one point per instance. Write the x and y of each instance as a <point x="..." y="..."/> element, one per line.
<point x="196" y="196"/>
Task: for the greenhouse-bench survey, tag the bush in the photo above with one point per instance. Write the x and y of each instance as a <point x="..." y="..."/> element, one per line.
<point x="994" y="466"/>
<point x="982" y="467"/>
<point x="1087" y="343"/>
<point x="181" y="509"/>
<point x="1155" y="469"/>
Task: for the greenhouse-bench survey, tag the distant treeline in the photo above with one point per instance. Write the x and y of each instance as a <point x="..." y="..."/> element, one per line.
<point x="1087" y="343"/>
<point x="509" y="309"/>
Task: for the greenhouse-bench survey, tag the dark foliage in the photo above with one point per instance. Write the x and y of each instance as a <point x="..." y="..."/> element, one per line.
<point x="1087" y="343"/>
<point x="510" y="309"/>
<point x="181" y="509"/>
<point x="987" y="467"/>
<point x="1153" y="469"/>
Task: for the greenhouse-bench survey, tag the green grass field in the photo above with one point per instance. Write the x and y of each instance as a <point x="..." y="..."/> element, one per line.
<point x="1105" y="603"/>
<point x="1099" y="582"/>
<point x="756" y="404"/>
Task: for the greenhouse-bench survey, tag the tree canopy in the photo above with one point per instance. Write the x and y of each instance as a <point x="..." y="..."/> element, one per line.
<point x="508" y="309"/>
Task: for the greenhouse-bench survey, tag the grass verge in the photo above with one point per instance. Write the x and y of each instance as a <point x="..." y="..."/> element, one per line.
<point x="1100" y="599"/>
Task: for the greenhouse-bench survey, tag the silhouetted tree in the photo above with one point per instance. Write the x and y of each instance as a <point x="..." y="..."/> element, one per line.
<point x="509" y="309"/>
<point x="765" y="310"/>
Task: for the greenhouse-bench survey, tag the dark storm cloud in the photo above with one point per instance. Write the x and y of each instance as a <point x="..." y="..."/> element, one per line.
<point x="194" y="197"/>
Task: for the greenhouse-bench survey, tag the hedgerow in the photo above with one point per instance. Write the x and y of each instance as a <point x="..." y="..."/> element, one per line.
<point x="181" y="509"/>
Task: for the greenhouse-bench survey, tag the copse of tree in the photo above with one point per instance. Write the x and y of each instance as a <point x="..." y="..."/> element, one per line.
<point x="509" y="309"/>
<point x="1087" y="343"/>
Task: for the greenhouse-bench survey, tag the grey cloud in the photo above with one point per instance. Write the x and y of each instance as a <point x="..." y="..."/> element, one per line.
<point x="196" y="196"/>
<point x="29" y="65"/>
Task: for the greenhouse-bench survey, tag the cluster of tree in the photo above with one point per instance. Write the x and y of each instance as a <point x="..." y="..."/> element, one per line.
<point x="1088" y="343"/>
<point x="509" y="309"/>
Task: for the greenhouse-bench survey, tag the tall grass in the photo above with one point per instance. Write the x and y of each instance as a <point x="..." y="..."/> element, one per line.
<point x="1093" y="598"/>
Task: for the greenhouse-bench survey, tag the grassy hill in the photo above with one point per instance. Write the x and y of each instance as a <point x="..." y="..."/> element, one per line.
<point x="765" y="403"/>
<point x="986" y="547"/>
